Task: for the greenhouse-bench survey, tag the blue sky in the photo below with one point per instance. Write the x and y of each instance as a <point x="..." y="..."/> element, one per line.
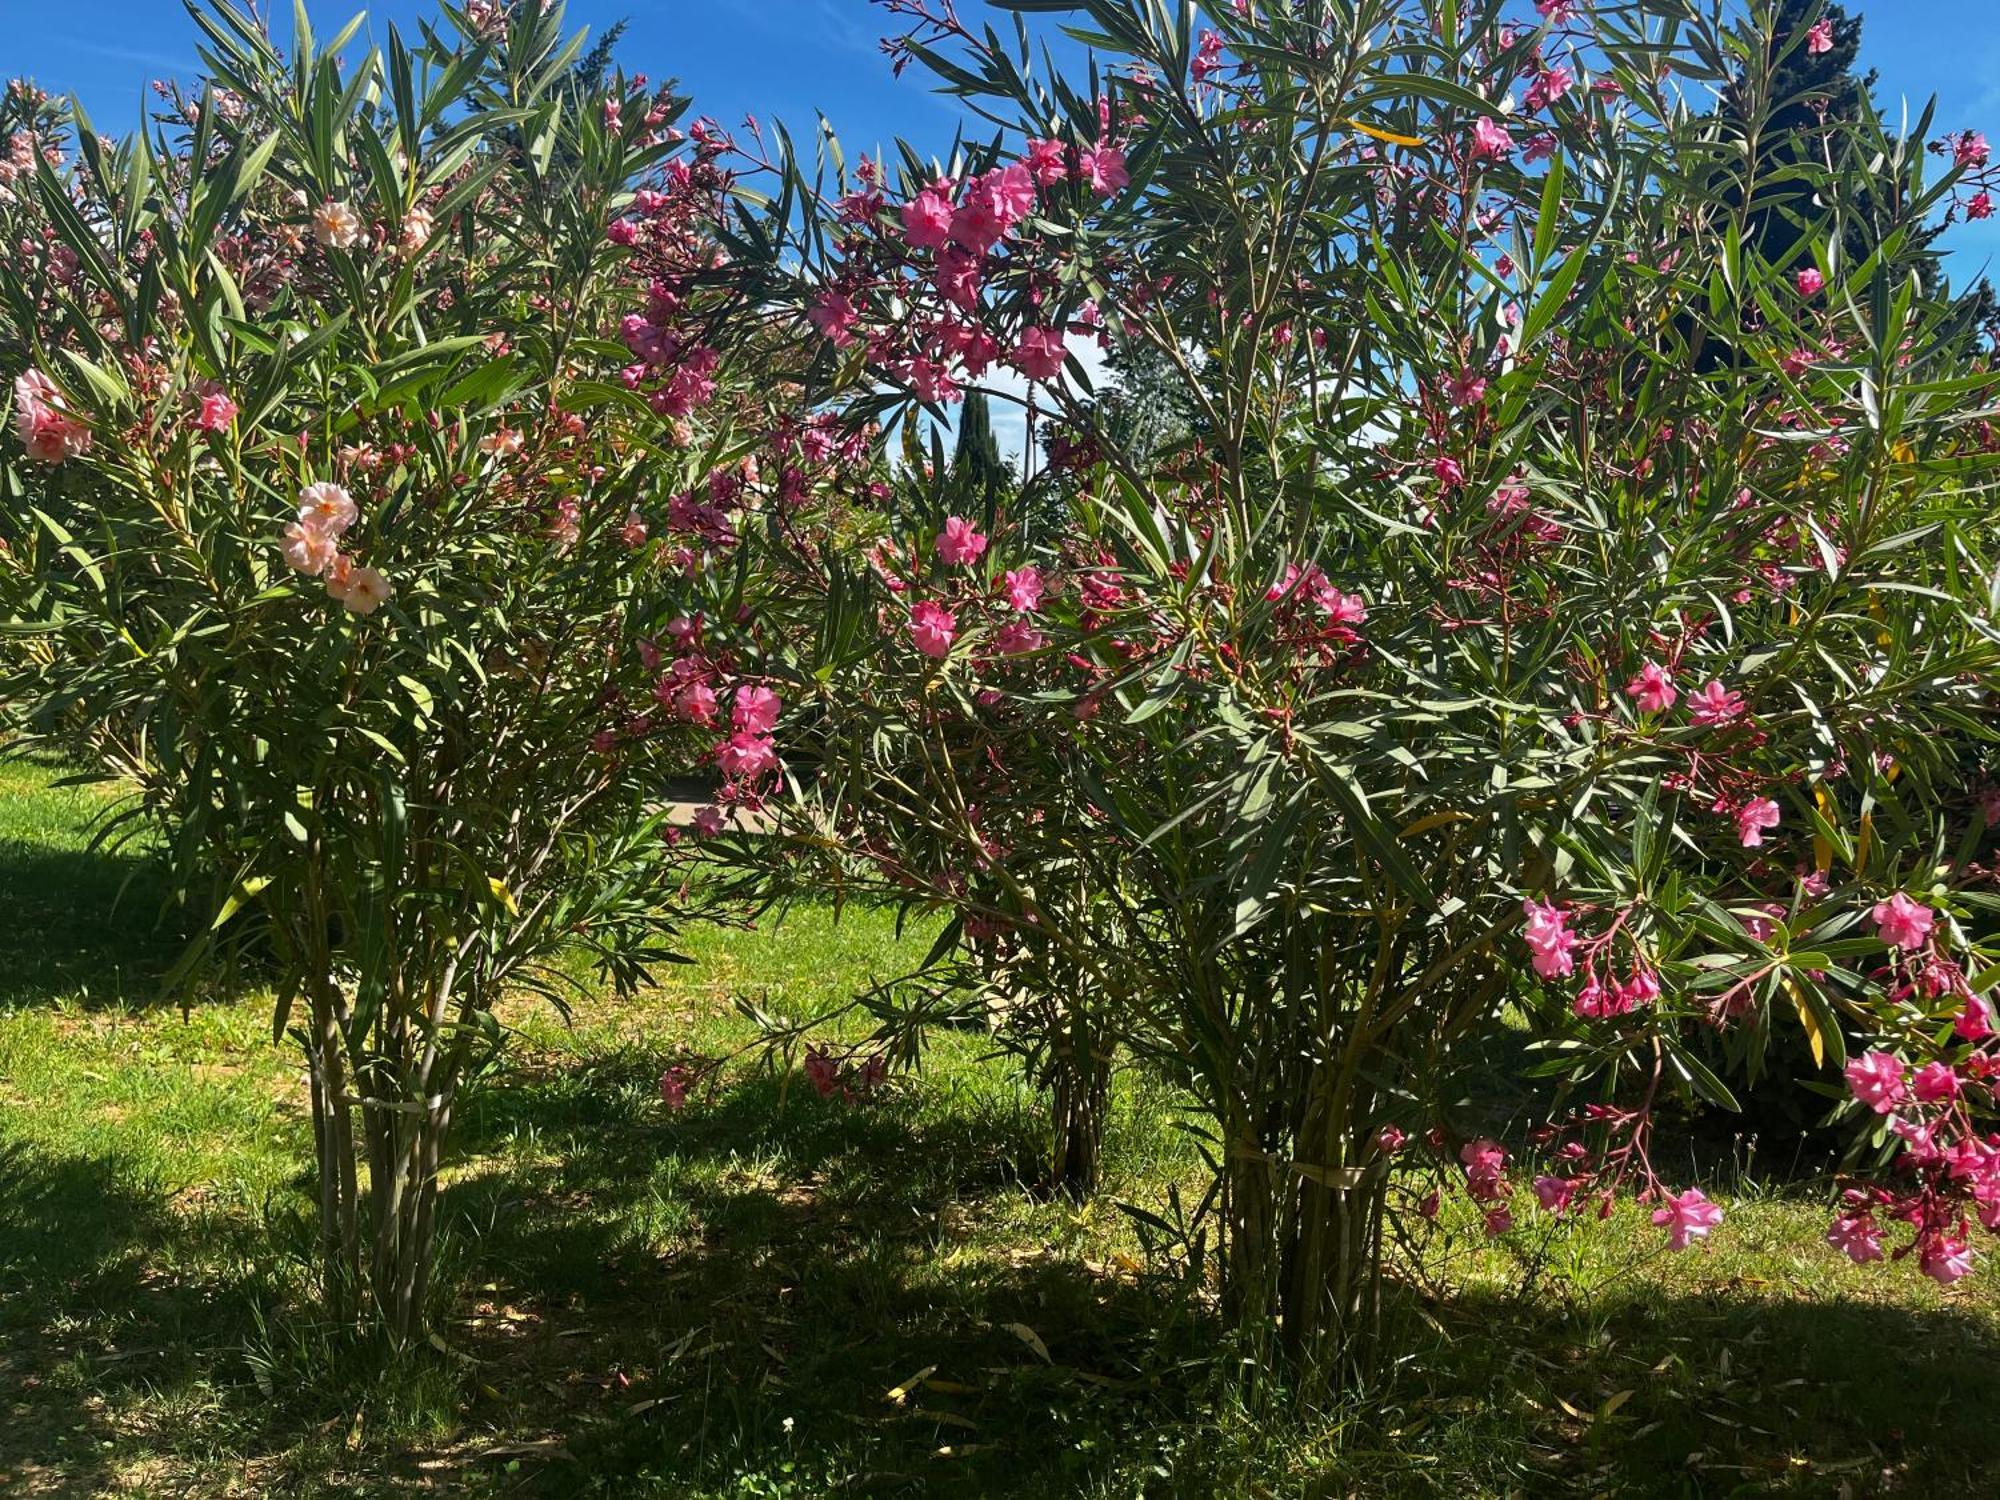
<point x="791" y="57"/>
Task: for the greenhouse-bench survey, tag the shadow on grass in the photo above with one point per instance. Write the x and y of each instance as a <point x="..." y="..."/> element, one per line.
<point x="80" y="926"/>
<point x="99" y="1315"/>
<point x="778" y="1291"/>
<point x="773" y="1294"/>
<point x="767" y="1268"/>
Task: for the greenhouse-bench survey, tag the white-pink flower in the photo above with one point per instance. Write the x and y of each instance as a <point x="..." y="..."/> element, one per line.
<point x="44" y="423"/>
<point x="309" y="549"/>
<point x="362" y="590"/>
<point x="337" y="226"/>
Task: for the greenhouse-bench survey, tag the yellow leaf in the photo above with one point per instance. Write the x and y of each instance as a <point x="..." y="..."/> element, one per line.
<point x="1375" y="132"/>
<point x="1031" y="1338"/>
<point x="1823" y="846"/>
<point x="504" y="896"/>
<point x="899" y="1394"/>
<point x="1863" y="839"/>
<point x="1809" y="1019"/>
<point x="1612" y="1404"/>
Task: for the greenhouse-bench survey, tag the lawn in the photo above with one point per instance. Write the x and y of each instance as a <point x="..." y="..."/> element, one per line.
<point x="774" y="1294"/>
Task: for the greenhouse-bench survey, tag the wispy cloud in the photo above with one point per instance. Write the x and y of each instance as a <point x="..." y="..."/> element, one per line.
<point x="163" y="62"/>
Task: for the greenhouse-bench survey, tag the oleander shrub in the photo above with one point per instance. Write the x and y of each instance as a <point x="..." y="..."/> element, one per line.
<point x="1474" y="654"/>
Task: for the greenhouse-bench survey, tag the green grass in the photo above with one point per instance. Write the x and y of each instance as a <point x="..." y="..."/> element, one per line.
<point x="772" y="1294"/>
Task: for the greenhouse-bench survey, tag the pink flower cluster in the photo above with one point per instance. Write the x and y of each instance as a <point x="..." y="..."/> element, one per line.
<point x="1948" y="1172"/>
<point x="933" y="623"/>
<point x="915" y="290"/>
<point x="692" y="688"/>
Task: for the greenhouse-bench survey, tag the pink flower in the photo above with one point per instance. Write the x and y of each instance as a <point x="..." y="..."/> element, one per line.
<point x="958" y="545"/>
<point x="674" y="1087"/>
<point x="1935" y="1082"/>
<point x="932" y="627"/>
<point x="44" y="423"/>
<point x="1390" y="1139"/>
<point x="1856" y="1237"/>
<point x="1554" y="1193"/>
<point x="328" y="507"/>
<point x="958" y="277"/>
<point x="1024" y="589"/>
<point x="1975" y="1021"/>
<point x="1969" y="149"/>
<point x="927" y="220"/>
<point x="309" y="549"/>
<point x="1105" y="167"/>
<point x="821" y="1072"/>
<point x="1903" y="923"/>
<point x="1653" y="690"/>
<point x="1448" y="472"/>
<point x="976" y="226"/>
<point x="1468" y="388"/>
<point x="1490" y="139"/>
<point x="1040" y="354"/>
<point x="1811" y="283"/>
<point x="755" y="710"/>
<point x="1549" y="939"/>
<point x="696" y="703"/>
<point x="1687" y="1217"/>
<point x="1819" y="38"/>
<point x="1484" y="1157"/>
<point x="1945" y="1261"/>
<point x="1008" y="193"/>
<point x="1048" y="161"/>
<point x="217" y="410"/>
<point x="746" y="756"/>
<point x="1017" y="638"/>
<point x="709" y="821"/>
<point x="1499" y="1220"/>
<point x="834" y="316"/>
<point x="361" y="590"/>
<point x="1485" y="1163"/>
<point x="1876" y="1079"/>
<point x="1714" y="705"/>
<point x="1753" y="819"/>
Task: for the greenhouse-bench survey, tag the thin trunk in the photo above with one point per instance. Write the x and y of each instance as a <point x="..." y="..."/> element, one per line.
<point x="1080" y="1092"/>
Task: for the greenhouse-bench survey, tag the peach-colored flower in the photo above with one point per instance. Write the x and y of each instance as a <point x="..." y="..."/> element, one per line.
<point x="417" y="227"/>
<point x="309" y="549"/>
<point x="328" y="507"/>
<point x="337" y="226"/>
<point x="502" y="442"/>
<point x="362" y="590"/>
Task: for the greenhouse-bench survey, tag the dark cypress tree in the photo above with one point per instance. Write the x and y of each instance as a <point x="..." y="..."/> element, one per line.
<point x="1792" y="110"/>
<point x="978" y="473"/>
<point x="1803" y="106"/>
